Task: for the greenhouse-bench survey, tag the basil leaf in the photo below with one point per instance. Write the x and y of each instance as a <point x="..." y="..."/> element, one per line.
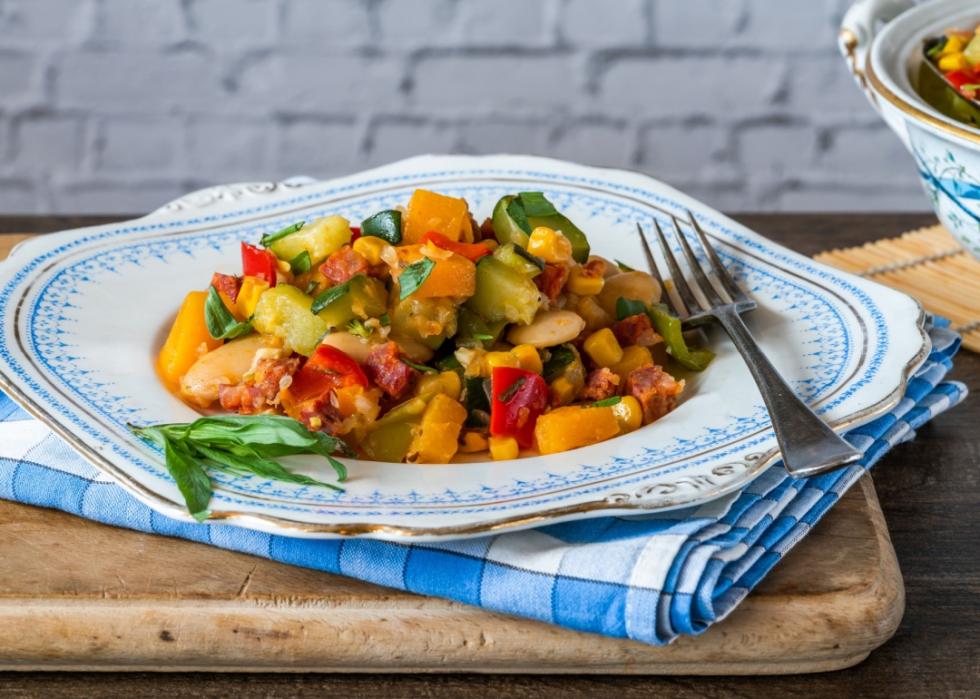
<point x="329" y="296"/>
<point x="515" y="209"/>
<point x="606" y="402"/>
<point x="192" y="480"/>
<point x="264" y="468"/>
<point x="533" y="259"/>
<point x="561" y="357"/>
<point x="508" y="393"/>
<point x="414" y="276"/>
<point x="268" y="240"/>
<point x="301" y="264"/>
<point x="483" y="337"/>
<point x="386" y="225"/>
<point x="221" y="323"/>
<point x="629" y="307"/>
<point x="535" y="204"/>
<point x="385" y="320"/>
<point x="419" y="367"/>
<point x="311" y="287"/>
<point x="624" y="267"/>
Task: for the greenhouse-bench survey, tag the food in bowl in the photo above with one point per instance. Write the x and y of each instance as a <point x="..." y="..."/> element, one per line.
<point x="949" y="78"/>
<point x="418" y="336"/>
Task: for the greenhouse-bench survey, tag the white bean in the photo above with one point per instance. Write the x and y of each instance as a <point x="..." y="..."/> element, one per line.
<point x="638" y="286"/>
<point x="223" y="365"/>
<point x="355" y="347"/>
<point x="549" y="328"/>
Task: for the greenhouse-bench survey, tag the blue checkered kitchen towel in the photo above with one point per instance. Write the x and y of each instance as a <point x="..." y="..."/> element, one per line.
<point x="649" y="578"/>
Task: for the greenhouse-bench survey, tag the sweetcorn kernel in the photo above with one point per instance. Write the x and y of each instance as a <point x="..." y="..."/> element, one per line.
<point x="628" y="414"/>
<point x="581" y="283"/>
<point x="370" y="248"/>
<point x="502" y="448"/>
<point x="550" y="245"/>
<point x="495" y="359"/>
<point x="634" y="357"/>
<point x="562" y="391"/>
<point x="603" y="347"/>
<point x="473" y="442"/>
<point x="528" y="358"/>
<point x="954" y="44"/>
<point x="953" y="61"/>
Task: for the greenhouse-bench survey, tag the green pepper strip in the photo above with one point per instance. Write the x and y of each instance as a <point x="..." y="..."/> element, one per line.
<point x="669" y="328"/>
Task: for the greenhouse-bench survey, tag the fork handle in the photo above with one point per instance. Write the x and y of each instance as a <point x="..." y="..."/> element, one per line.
<point x="807" y="443"/>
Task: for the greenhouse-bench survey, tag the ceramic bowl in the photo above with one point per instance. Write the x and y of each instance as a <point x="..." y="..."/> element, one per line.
<point x="882" y="42"/>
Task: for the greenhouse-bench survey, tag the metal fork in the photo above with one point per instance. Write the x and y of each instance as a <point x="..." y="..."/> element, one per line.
<point x="808" y="445"/>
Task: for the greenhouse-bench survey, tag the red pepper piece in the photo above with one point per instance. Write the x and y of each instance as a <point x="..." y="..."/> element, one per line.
<point x="957" y="78"/>
<point x="355" y="233"/>
<point x="518" y="398"/>
<point x="260" y="263"/>
<point x="471" y="251"/>
<point x="327" y="370"/>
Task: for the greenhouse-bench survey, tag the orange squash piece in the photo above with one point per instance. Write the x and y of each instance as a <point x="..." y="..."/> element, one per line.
<point x="188" y="340"/>
<point x="453" y="276"/>
<point x="429" y="211"/>
<point x="574" y="426"/>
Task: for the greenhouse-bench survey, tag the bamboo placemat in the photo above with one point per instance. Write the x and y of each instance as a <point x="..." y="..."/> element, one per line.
<point x="928" y="264"/>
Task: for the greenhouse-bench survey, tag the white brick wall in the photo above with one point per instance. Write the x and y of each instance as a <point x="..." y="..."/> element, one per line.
<point x="119" y="105"/>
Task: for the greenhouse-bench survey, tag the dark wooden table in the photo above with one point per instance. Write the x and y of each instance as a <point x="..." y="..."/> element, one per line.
<point x="930" y="493"/>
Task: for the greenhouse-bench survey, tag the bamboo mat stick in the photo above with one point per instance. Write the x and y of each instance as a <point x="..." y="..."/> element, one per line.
<point x="928" y="264"/>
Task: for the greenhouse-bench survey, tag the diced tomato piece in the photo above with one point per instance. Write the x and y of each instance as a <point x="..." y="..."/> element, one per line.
<point x="355" y="233"/>
<point x="260" y="263"/>
<point x="327" y="370"/>
<point x="518" y="397"/>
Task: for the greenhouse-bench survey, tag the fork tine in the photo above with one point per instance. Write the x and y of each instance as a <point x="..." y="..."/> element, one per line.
<point x="648" y="253"/>
<point x="676" y="276"/>
<point x="700" y="278"/>
<point x="667" y="297"/>
<point x="724" y="276"/>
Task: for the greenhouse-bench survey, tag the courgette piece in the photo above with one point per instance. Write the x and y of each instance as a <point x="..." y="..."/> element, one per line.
<point x="503" y="293"/>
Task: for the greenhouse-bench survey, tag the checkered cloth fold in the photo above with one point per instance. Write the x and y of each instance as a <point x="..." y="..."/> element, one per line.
<point x="649" y="578"/>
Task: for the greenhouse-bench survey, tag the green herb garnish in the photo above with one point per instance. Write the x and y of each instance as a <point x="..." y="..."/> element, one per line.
<point x="221" y="323"/>
<point x="509" y="392"/>
<point x="624" y="267"/>
<point x="358" y="328"/>
<point x="483" y="337"/>
<point x="385" y="320"/>
<point x="449" y="363"/>
<point x="386" y="225"/>
<point x="330" y="295"/>
<point x="606" y="402"/>
<point x="937" y="47"/>
<point x="629" y="307"/>
<point x="301" y="264"/>
<point x="414" y="276"/>
<point x="419" y="367"/>
<point x="311" y="287"/>
<point x="240" y="445"/>
<point x="268" y="240"/>
<point x="535" y="204"/>
<point x="476" y="400"/>
<point x="560" y="357"/>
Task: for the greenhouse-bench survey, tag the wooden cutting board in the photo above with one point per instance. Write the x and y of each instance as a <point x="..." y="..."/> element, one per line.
<point x="79" y="595"/>
<point x="75" y="595"/>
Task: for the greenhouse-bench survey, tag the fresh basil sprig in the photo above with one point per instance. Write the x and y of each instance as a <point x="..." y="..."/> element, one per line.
<point x="221" y="323"/>
<point x="268" y="240"/>
<point x="241" y="445"/>
<point x="414" y="276"/>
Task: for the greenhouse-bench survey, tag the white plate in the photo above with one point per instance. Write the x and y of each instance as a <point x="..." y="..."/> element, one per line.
<point x="84" y="312"/>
